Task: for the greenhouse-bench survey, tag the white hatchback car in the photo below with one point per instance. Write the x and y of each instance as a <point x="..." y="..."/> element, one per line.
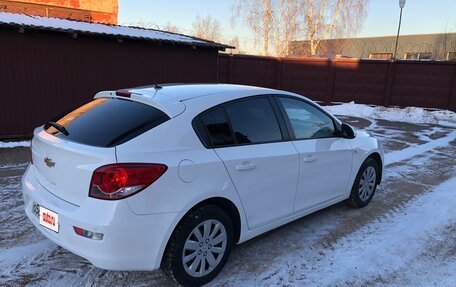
<point x="173" y="176"/>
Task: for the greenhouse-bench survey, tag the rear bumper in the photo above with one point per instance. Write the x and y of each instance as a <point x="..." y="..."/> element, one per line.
<point x="130" y="242"/>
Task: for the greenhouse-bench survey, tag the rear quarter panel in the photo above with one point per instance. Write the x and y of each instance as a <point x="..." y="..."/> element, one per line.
<point x="194" y="173"/>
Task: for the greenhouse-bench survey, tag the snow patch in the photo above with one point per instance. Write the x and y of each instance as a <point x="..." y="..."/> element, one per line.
<point x="397" y="156"/>
<point x="384" y="247"/>
<point x="410" y="114"/>
<point x="14" y="144"/>
<point x="9" y="257"/>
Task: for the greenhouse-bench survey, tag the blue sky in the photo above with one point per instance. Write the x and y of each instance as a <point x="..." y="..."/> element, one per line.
<point x="419" y="16"/>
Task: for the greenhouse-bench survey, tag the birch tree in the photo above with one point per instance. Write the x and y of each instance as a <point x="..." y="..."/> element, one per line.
<point x="278" y="22"/>
<point x="285" y="25"/>
<point x="257" y="14"/>
<point x="325" y="19"/>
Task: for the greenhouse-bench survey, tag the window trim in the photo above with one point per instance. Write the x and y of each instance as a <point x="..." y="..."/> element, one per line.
<point x="198" y="124"/>
<point x="337" y="132"/>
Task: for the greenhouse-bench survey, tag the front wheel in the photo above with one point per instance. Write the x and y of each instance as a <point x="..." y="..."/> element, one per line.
<point x="199" y="247"/>
<point x="365" y="184"/>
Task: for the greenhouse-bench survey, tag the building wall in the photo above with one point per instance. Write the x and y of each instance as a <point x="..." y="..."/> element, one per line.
<point x="439" y="45"/>
<point x="100" y="11"/>
<point x="45" y="73"/>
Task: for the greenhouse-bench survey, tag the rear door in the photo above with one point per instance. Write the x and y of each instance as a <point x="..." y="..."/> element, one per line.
<point x="325" y="158"/>
<point x="66" y="152"/>
<point x="248" y="137"/>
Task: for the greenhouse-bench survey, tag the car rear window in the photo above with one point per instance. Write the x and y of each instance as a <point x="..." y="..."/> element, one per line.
<point x="106" y="122"/>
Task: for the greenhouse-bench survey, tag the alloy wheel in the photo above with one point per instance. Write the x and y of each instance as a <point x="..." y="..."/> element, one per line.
<point x="204" y="248"/>
<point x="367" y="183"/>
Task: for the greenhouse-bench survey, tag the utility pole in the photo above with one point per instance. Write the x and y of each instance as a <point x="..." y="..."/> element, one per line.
<point x="401" y="5"/>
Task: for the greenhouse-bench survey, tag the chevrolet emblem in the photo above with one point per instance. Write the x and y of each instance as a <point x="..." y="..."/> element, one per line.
<point x="49" y="162"/>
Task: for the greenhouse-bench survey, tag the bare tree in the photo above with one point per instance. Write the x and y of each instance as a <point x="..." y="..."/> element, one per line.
<point x="275" y="22"/>
<point x="257" y="14"/>
<point x="282" y="21"/>
<point x="324" y="19"/>
<point x="171" y="28"/>
<point x="207" y="28"/>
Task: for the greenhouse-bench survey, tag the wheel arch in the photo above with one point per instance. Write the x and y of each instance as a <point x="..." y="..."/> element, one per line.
<point x="376" y="156"/>
<point x="227" y="205"/>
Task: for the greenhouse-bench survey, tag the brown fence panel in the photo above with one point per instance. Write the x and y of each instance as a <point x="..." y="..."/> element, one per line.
<point x="223" y="66"/>
<point x="428" y="84"/>
<point x="43" y="74"/>
<point x="423" y="84"/>
<point x="308" y="78"/>
<point x="360" y="81"/>
<point x="251" y="70"/>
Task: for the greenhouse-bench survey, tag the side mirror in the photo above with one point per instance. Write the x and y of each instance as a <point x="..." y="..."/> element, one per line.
<point x="347" y="131"/>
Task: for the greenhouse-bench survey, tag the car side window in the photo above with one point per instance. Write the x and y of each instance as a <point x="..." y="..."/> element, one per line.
<point x="306" y="120"/>
<point x="216" y="125"/>
<point x="253" y="121"/>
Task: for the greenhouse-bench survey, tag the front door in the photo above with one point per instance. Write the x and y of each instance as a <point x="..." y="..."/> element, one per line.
<point x="325" y="159"/>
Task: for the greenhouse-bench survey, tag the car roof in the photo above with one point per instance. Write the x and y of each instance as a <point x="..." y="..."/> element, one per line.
<point x="185" y="92"/>
<point x="171" y="98"/>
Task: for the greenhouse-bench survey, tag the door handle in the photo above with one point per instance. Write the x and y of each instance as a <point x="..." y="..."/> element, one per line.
<point x="310" y="158"/>
<point x="245" y="166"/>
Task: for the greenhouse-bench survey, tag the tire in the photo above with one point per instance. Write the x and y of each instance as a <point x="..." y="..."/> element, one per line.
<point x="198" y="247"/>
<point x="365" y="184"/>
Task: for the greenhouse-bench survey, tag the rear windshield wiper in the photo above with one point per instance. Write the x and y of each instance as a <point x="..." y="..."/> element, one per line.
<point x="58" y="127"/>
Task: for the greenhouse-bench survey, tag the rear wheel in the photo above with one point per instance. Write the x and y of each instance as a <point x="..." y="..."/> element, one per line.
<point x="199" y="247"/>
<point x="365" y="184"/>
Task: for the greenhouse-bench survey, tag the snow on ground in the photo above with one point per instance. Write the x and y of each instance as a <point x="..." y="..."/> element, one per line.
<point x="400" y="155"/>
<point x="14" y="144"/>
<point x="12" y="256"/>
<point x="409" y="114"/>
<point x="384" y="247"/>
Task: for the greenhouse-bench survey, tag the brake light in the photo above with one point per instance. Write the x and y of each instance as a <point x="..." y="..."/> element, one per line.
<point x="123" y="93"/>
<point x="117" y="181"/>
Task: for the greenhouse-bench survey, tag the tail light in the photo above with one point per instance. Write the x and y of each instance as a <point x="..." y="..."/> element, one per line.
<point x="117" y="181"/>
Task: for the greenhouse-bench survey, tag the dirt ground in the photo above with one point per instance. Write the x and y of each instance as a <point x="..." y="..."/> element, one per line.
<point x="27" y="258"/>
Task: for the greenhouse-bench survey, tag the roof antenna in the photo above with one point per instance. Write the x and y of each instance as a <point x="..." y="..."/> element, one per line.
<point x="157" y="86"/>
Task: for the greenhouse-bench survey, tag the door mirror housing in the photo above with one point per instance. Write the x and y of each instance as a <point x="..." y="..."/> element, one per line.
<point x="346" y="131"/>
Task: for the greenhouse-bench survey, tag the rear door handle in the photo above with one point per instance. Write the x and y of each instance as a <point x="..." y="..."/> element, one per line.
<point x="245" y="166"/>
<point x="310" y="158"/>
